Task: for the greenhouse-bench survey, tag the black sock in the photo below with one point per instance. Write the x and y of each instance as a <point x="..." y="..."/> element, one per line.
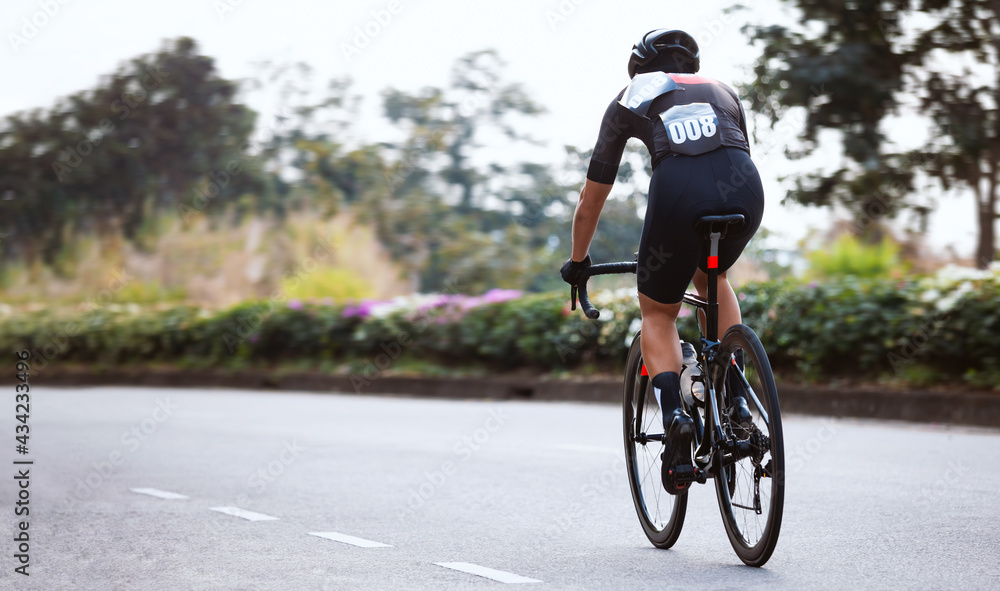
<point x="669" y="384"/>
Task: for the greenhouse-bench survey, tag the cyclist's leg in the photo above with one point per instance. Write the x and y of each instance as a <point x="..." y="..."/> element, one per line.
<point x="667" y="258"/>
<point x="661" y="348"/>
<point x="662" y="279"/>
<point x="661" y="352"/>
<point x="662" y="345"/>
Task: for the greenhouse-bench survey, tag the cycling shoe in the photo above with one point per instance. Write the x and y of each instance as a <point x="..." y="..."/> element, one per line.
<point x="739" y="413"/>
<point x="679" y="429"/>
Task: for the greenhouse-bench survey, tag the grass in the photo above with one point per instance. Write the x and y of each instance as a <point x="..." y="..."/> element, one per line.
<point x="213" y="264"/>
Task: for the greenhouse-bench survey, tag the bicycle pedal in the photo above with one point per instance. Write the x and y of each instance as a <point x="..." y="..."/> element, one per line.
<point x="687" y="473"/>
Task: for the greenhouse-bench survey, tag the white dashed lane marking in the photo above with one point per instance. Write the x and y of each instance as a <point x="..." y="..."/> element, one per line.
<point x="248" y="515"/>
<point x="489" y="573"/>
<point x="465" y="567"/>
<point x="361" y="543"/>
<point x="160" y="494"/>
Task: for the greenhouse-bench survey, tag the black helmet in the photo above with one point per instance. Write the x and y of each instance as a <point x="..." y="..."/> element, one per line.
<point x="662" y="41"/>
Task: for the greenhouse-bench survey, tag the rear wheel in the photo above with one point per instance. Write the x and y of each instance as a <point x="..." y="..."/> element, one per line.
<point x="660" y="513"/>
<point x="751" y="468"/>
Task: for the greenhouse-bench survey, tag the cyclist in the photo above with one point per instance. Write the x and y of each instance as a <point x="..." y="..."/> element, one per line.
<point x="695" y="130"/>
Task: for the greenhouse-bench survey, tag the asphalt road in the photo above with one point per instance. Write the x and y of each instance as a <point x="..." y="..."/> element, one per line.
<point x="534" y="490"/>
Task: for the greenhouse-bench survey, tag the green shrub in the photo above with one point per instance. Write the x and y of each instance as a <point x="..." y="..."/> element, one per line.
<point x="920" y="331"/>
<point x="335" y="283"/>
<point x="139" y="292"/>
<point x="849" y="257"/>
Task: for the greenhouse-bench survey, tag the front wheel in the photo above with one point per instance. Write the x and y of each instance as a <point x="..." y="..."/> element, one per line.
<point x="751" y="470"/>
<point x="660" y="513"/>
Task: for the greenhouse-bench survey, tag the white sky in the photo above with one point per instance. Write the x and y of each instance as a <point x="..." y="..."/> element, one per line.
<point x="573" y="64"/>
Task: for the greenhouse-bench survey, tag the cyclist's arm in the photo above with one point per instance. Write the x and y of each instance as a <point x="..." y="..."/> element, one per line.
<point x="616" y="128"/>
<point x="588" y="212"/>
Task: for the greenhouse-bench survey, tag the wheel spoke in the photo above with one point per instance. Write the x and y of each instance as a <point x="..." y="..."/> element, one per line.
<point x="752" y="512"/>
<point x="661" y="514"/>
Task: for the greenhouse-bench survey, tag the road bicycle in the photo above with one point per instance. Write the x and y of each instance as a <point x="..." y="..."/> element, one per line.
<point x="746" y="462"/>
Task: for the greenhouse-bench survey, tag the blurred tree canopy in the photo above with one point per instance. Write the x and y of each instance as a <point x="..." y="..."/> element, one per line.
<point x="161" y="130"/>
<point x="965" y="107"/>
<point x="165" y="135"/>
<point x="852" y="64"/>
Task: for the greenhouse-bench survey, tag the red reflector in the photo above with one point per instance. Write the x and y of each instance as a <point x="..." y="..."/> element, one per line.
<point x="713" y="262"/>
<point x="644" y="372"/>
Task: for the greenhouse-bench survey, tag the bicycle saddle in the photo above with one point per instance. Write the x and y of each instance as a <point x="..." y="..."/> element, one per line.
<point x="709" y="220"/>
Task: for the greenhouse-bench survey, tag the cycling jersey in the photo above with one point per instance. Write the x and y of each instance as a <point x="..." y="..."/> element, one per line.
<point x="695" y="130"/>
<point x="673" y="114"/>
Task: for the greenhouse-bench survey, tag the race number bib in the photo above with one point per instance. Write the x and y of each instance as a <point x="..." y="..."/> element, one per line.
<point x="692" y="129"/>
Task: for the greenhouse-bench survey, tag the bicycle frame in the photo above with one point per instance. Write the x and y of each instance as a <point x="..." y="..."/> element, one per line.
<point x="745" y="457"/>
<point x="709" y="437"/>
<point x="706" y="445"/>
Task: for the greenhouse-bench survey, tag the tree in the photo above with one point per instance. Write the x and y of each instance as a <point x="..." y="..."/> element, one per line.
<point x="847" y="77"/>
<point x="850" y="65"/>
<point x="159" y="135"/>
<point x="965" y="107"/>
<point x="489" y="221"/>
<point x="446" y="220"/>
<point x="454" y="120"/>
<point x="163" y="132"/>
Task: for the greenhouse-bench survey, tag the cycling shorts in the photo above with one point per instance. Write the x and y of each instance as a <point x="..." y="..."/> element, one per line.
<point x="681" y="190"/>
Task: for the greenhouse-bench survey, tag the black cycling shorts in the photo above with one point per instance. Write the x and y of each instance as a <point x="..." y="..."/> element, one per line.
<point x="683" y="189"/>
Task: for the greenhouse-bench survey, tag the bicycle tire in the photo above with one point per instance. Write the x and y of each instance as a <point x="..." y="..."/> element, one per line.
<point x="660" y="513"/>
<point x="742" y="498"/>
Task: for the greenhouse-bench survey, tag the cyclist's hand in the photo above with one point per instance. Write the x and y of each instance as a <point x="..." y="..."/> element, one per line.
<point x="571" y="270"/>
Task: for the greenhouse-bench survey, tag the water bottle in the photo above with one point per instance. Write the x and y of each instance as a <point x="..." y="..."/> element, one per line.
<point x="692" y="389"/>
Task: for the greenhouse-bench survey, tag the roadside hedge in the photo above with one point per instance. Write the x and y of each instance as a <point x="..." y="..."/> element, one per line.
<point x="926" y="330"/>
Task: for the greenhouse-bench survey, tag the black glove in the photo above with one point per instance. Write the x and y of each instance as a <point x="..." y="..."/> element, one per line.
<point x="571" y="270"/>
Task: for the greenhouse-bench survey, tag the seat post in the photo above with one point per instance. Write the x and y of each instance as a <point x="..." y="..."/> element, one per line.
<point x="712" y="321"/>
<point x="709" y="223"/>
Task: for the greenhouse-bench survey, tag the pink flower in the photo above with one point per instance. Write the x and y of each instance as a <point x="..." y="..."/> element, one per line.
<point x="295" y="304"/>
<point x="494" y="296"/>
<point x="685" y="312"/>
<point x="362" y="310"/>
<point x="742" y="296"/>
<point x="439" y="302"/>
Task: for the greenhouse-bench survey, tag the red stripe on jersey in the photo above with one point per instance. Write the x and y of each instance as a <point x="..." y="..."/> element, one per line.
<point x="691" y="79"/>
<point x="713" y="262"/>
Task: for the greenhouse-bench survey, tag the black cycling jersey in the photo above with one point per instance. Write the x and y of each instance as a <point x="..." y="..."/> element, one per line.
<point x="673" y="114"/>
